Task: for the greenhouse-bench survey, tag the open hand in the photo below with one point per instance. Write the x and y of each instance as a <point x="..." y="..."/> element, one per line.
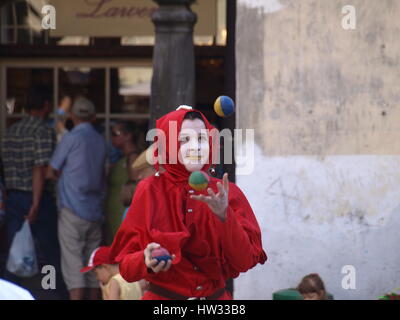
<point x="218" y="203"/>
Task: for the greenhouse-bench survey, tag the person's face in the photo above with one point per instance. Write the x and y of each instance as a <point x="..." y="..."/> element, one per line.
<point x="193" y="145"/>
<point x="312" y="296"/>
<point x="102" y="274"/>
<point x="117" y="136"/>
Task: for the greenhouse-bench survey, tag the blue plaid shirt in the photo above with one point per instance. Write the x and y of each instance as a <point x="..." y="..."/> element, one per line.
<point x="27" y="144"/>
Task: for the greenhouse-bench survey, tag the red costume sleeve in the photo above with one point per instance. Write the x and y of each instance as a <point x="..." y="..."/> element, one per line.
<point x="136" y="233"/>
<point x="132" y="267"/>
<point x="240" y="234"/>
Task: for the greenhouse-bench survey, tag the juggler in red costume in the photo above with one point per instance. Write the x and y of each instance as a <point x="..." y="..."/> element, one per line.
<point x="212" y="235"/>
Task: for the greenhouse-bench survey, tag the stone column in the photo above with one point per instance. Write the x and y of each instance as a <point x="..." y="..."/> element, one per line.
<point x="173" y="80"/>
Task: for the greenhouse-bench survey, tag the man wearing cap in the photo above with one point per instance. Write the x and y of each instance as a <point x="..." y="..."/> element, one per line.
<point x="79" y="163"/>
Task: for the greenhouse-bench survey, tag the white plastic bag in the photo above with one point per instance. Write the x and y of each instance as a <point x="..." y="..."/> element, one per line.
<point x="22" y="257"/>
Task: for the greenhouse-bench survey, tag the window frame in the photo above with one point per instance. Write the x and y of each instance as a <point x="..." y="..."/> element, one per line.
<point x="108" y="116"/>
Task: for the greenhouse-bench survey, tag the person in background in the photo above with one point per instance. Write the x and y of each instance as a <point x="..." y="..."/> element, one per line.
<point x="312" y="287"/>
<point x="26" y="151"/>
<point x="114" y="155"/>
<point x="143" y="170"/>
<point x="62" y="125"/>
<point x="127" y="192"/>
<point x="124" y="137"/>
<point x="113" y="286"/>
<point x="142" y="167"/>
<point x="79" y="163"/>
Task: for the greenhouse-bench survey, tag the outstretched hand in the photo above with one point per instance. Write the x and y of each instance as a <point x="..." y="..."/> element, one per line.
<point x="218" y="203"/>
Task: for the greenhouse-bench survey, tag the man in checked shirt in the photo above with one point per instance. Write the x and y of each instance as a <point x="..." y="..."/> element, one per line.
<point x="26" y="151"/>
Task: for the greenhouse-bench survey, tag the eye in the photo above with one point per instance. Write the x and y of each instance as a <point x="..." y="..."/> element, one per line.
<point x="184" y="139"/>
<point x="202" y="139"/>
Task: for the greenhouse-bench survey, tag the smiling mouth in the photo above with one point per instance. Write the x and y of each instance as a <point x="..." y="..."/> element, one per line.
<point x="194" y="158"/>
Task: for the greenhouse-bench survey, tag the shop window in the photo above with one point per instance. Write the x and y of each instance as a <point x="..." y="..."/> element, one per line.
<point x="20" y="81"/>
<point x="119" y="93"/>
<point x="82" y="81"/>
<point x="130" y="90"/>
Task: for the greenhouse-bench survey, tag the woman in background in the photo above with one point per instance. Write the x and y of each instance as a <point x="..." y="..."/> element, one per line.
<point x="124" y="136"/>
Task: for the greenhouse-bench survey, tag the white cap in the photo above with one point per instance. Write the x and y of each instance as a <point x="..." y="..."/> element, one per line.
<point x="83" y="107"/>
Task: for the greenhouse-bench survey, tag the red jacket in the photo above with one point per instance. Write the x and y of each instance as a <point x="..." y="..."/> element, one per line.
<point x="208" y="251"/>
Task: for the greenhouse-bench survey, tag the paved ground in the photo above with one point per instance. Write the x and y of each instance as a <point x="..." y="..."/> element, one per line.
<point x="33" y="284"/>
